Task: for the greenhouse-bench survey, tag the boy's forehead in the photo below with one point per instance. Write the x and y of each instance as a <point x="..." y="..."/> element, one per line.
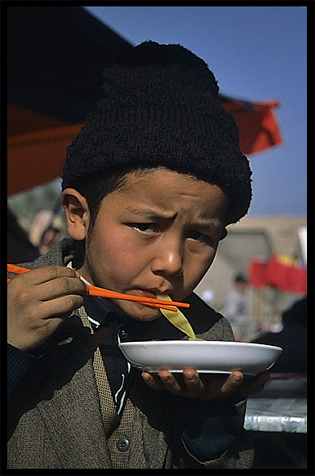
<point x="162" y="193"/>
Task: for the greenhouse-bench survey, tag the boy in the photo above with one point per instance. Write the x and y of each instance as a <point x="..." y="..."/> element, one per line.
<point x="149" y="185"/>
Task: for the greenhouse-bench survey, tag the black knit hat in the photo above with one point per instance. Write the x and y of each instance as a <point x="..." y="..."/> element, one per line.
<point x="161" y="107"/>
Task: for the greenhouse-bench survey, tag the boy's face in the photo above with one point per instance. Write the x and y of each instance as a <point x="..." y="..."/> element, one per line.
<point x="157" y="234"/>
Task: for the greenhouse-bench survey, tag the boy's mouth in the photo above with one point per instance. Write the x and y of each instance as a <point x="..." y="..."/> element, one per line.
<point x="151" y="293"/>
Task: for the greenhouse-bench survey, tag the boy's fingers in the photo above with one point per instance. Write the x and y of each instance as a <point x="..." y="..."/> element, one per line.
<point x="255" y="384"/>
<point x="60" y="307"/>
<point x="169" y="381"/>
<point x="190" y="384"/>
<point x="192" y="381"/>
<point x="152" y="381"/>
<point x="48" y="273"/>
<point x="187" y="383"/>
<point x="62" y="286"/>
<point x="232" y="383"/>
<point x="44" y="284"/>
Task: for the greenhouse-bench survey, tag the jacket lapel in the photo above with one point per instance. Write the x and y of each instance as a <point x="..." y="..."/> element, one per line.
<point x="70" y="407"/>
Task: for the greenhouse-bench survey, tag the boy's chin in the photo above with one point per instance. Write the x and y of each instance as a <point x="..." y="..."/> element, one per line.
<point x="139" y="312"/>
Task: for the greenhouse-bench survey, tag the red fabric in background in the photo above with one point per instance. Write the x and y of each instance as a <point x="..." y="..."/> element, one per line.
<point x="257" y="273"/>
<point x="258" y="125"/>
<point x="285" y="277"/>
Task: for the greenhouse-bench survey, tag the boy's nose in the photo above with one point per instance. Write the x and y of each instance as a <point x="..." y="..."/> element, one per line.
<point x="168" y="259"/>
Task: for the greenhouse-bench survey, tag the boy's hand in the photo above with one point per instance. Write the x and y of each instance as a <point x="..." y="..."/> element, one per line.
<point x="39" y="301"/>
<point x="189" y="384"/>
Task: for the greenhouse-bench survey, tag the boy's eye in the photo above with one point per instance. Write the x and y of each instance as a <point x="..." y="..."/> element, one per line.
<point x="145" y="227"/>
<point x="196" y="235"/>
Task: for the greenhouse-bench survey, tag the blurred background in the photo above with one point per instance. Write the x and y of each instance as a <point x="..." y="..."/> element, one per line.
<point x="257" y="53"/>
<point x="56" y="55"/>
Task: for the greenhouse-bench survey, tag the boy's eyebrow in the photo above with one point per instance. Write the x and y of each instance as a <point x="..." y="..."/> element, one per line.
<point x="203" y="223"/>
<point x="149" y="213"/>
<point x="206" y="225"/>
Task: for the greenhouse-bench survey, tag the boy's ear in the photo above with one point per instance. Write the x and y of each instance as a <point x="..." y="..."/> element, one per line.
<point x="77" y="213"/>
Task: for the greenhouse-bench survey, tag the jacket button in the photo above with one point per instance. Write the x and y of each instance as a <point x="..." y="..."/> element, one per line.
<point x="123" y="334"/>
<point x="123" y="444"/>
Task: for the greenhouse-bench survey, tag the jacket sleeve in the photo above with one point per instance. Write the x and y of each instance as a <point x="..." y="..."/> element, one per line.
<point x="209" y="432"/>
<point x="212" y="430"/>
<point x="18" y="362"/>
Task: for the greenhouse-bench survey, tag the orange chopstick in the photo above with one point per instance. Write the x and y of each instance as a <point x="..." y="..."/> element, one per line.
<point x="100" y="292"/>
<point x="12" y="268"/>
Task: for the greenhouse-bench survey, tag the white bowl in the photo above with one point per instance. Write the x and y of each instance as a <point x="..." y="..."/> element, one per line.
<point x="204" y="356"/>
